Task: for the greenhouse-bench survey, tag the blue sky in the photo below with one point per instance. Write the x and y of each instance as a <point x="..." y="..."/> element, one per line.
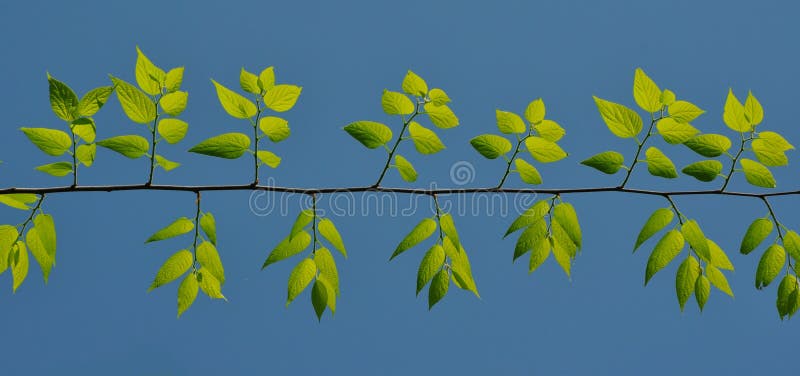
<point x="95" y="317"/>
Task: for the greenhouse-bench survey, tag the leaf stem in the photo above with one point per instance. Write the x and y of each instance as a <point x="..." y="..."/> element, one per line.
<point x="733" y="161"/>
<point x="396" y="144"/>
<point x="154" y="142"/>
<point x="438" y="217"/>
<point x="314" y="222"/>
<point x="256" y="139"/>
<point x="674" y="208"/>
<point x="639" y="146"/>
<point x="520" y="140"/>
<point x="74" y="157"/>
<point x="29" y="219"/>
<point x="196" y="230"/>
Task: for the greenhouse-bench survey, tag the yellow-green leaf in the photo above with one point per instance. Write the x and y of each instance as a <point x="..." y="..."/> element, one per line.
<point x="439" y="286"/>
<point x="233" y="103"/>
<point x="301" y="276"/>
<point x="549" y="130"/>
<point x="622" y="121"/>
<point x="208" y="257"/>
<point x="756" y="174"/>
<point x="174" y="103"/>
<point x="659" y="164"/>
<point x="753" y="110"/>
<point x="491" y="146"/>
<point x="527" y="172"/>
<point x="655" y="223"/>
<point x="288" y="247"/>
<point x="328" y="231"/>
<point x="770" y="265"/>
<point x="441" y="116"/>
<point x="543" y="150"/>
<point x="666" y="250"/>
<point x="369" y="133"/>
<point x="281" y="98"/>
<point x="149" y="77"/>
<point x="535" y="111"/>
<point x="646" y="92"/>
<point x="174" y="79"/>
<point x="425" y="140"/>
<point x="395" y="103"/>
<point x="327" y="267"/>
<point x="178" y="227"/>
<point x="509" y="122"/>
<point x="406" y="169"/>
<point x="174" y="267"/>
<point x="275" y="128"/>
<point x="423" y="230"/>
<point x="430" y="265"/>
<point x="755" y="234"/>
<point x="414" y="85"/>
<point x="733" y="114"/>
<point x="608" y="162"/>
<point x="675" y="132"/>
<point x="187" y="293"/>
<point x="51" y="141"/>
<point x="686" y="279"/>
<point x="172" y="130"/>
<point x="684" y="112"/>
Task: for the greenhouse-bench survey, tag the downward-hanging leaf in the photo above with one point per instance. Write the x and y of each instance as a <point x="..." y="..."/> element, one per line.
<point x="319" y="298"/>
<point x="209" y="226"/>
<point x="228" y="146"/>
<point x="209" y="284"/>
<point x="666" y="250"/>
<point x="208" y="257"/>
<point x="187" y="293"/>
<point x="430" y="265"/>
<point x="755" y="234"/>
<point x="439" y="287"/>
<point x="301" y="276"/>
<point x="327" y="267"/>
<point x="564" y="213"/>
<point x="702" y="289"/>
<point x="770" y="265"/>
<point x="165" y="163"/>
<point x="39" y="253"/>
<point x="788" y="300"/>
<point x="697" y="240"/>
<point x="686" y="279"/>
<point x="423" y="230"/>
<point x="406" y="169"/>
<point x="178" y="227"/>
<point x="718" y="279"/>
<point x="449" y="227"/>
<point x="791" y="241"/>
<point x="288" y="247"/>
<point x="533" y="235"/>
<point x="529" y="216"/>
<point x="174" y="267"/>
<point x="718" y="256"/>
<point x="86" y="154"/>
<point x="19" y="264"/>
<point x="304" y="218"/>
<point x="268" y="158"/>
<point x="328" y="231"/>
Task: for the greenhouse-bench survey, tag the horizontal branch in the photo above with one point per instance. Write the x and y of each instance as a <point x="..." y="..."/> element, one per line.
<point x="416" y="191"/>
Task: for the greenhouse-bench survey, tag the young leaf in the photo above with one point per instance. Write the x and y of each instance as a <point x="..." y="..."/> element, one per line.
<point x="449" y="227"/>
<point x="509" y="122"/>
<point x="319" y="298"/>
<point x="441" y="116"/>
<point x="328" y="231"/>
<point x="539" y="254"/>
<point x="304" y="218"/>
<point x="19" y="200"/>
<point x="697" y="240"/>
<point x="775" y="140"/>
<point x="684" y="112"/>
<point x="249" y="82"/>
<point x="94" y="100"/>
<point x="86" y="153"/>
<point x="459" y="265"/>
<point x="281" y="98"/>
<point x="166" y="164"/>
<point x="686" y="279"/>
<point x="39" y="253"/>
<point x="414" y="85"/>
<point x="327" y="267"/>
<point x="562" y="256"/>
<point x="767" y="154"/>
<point x="702" y="289"/>
<point x="666" y="250"/>
<point x="753" y="110"/>
<point x="266" y="79"/>
<point x="430" y="265"/>
<point x="301" y="276"/>
<point x="785" y="304"/>
<point x="63" y="100"/>
<point x="369" y="133"/>
<point x="174" y="103"/>
<point x="770" y="265"/>
<point x="56" y="169"/>
<point x="709" y="145"/>
<point x="755" y="234"/>
<point x="172" y="130"/>
<point x="395" y="103"/>
<point x="209" y="284"/>
<point x="491" y="146"/>
<point x="208" y="257"/>
<point x="173" y="79"/>
<point x="233" y="103"/>
<point x="718" y="279"/>
<point x="46" y="231"/>
<point x="622" y="121"/>
<point x="209" y="226"/>
<point x="131" y="146"/>
<point x="187" y="293"/>
<point x="421" y="231"/>
<point x="535" y="111"/>
<point x="534" y="235"/>
<point x="718" y="256"/>
<point x="562" y="239"/>
<point x="549" y="130"/>
<point x="791" y="241"/>
<point x="439" y="286"/>
<point x="706" y="171"/>
<point x="543" y="150"/>
<point x="228" y="145"/>
<point x="675" y="132"/>
<point x="19" y="264"/>
<point x="425" y="140"/>
<point x="608" y="162"/>
<point x="178" y="227"/>
<point x="438" y="97"/>
<point x="564" y="213"/>
<point x="268" y="158"/>
<point x="530" y="216"/>
<point x="8" y="235"/>
<point x="174" y="267"/>
<point x="149" y="77"/>
<point x="667" y="97"/>
<point x="659" y="164"/>
<point x="51" y="141"/>
<point x="330" y="292"/>
<point x="756" y="174"/>
<point x="733" y="115"/>
<point x="406" y="169"/>
<point x="275" y="128"/>
<point x="288" y="247"/>
<point x="136" y="104"/>
<point x="527" y="172"/>
<point x="646" y="92"/>
<point x="85" y="129"/>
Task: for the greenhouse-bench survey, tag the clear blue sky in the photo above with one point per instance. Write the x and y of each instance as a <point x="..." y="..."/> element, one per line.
<point x="95" y="316"/>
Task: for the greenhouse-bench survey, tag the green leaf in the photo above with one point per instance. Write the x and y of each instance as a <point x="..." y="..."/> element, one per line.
<point x="509" y="122"/>
<point x="136" y="104"/>
<point x="51" y="141"/>
<point x="266" y="79"/>
<point x="86" y="153"/>
<point x="697" y="240"/>
<point x="666" y="250"/>
<point x="228" y="145"/>
<point x="533" y="235"/>
<point x="369" y="133"/>
<point x="768" y="154"/>
<point x="718" y="256"/>
<point x="787" y="293"/>
<point x="249" y="82"/>
<point x="19" y="200"/>
<point x="770" y="265"/>
<point x="686" y="279"/>
<point x="63" y="100"/>
<point x="268" y="158"/>
<point x="233" y="103"/>
<point x="549" y="130"/>
<point x="718" y="279"/>
<point x="438" y="97"/>
<point x="301" y="276"/>
<point x="564" y="213"/>
<point x="39" y="253"/>
<point x="491" y="146"/>
<point x="755" y="234"/>
<point x="94" y="100"/>
<point x="173" y="268"/>
<point x="702" y="289"/>
<point x="19" y="265"/>
<point x="659" y="164"/>
<point x="709" y="145"/>
<point x="562" y="256"/>
<point x="209" y="226"/>
<point x="166" y="164"/>
<point x="319" y="298"/>
<point x="178" y="227"/>
<point x="543" y="150"/>
<point x="288" y="247"/>
<point x="172" y="130"/>
<point x="56" y="169"/>
<point x="275" y="128"/>
<point x="791" y="241"/>
<point x="395" y="103"/>
<point x="655" y="223"/>
<point x="733" y="115"/>
<point x="441" y="116"/>
<point x="622" y="121"/>
<point x="425" y="140"/>
<point x="209" y="284"/>
<point x="131" y="146"/>
<point x="330" y="292"/>
<point x="304" y="218"/>
<point x="535" y="111"/>
<point x="328" y="231"/>
<point x="174" y="103"/>
<point x="753" y="110"/>
<point x="756" y="174"/>
<point x="174" y="79"/>
<point x="327" y="267"/>
<point x="530" y="216"/>
<point x="675" y="132"/>
<point x="539" y="254"/>
<point x="406" y="169"/>
<point x="608" y="162"/>
<point x="187" y="293"/>
<point x="439" y="286"/>
<point x="459" y="265"/>
<point x="449" y="227"/>
<point x="684" y="112"/>
<point x="85" y="129"/>
<point x="208" y="257"/>
<point x="281" y="98"/>
<point x="149" y="77"/>
<point x="527" y="172"/>
<point x="562" y="239"/>
<point x="46" y="230"/>
<point x="430" y="265"/>
<point x="775" y="140"/>
<point x="8" y="235"/>
<point x="646" y="92"/>
<point x="706" y="171"/>
<point x="414" y="85"/>
<point x="423" y="230"/>
<point x="667" y="97"/>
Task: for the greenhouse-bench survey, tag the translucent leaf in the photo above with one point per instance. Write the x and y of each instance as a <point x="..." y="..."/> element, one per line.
<point x="533" y="235"/>
<point x="439" y="286"/>
<point x="535" y="111"/>
<point x="564" y="213"/>
<point x="233" y="103"/>
<point x="549" y="130"/>
<point x="718" y="256"/>
<point x="51" y="141"/>
<point x="449" y="227"/>
<point x="85" y="129"/>
<point x="441" y="116"/>
<point x="328" y="231"/>
<point x="608" y="162"/>
<point x="249" y="82"/>
<point x="702" y="289"/>
<point x="46" y="231"/>
<point x="529" y="216"/>
<point x="718" y="279"/>
<point x="784" y="304"/>
<point x="187" y="293"/>
<point x="659" y="164"/>
<point x="709" y="145"/>
<point x="165" y="163"/>
<point x="686" y="279"/>
<point x="178" y="227"/>
<point x="266" y="79"/>
<point x="791" y="241"/>
<point x="94" y="100"/>
<point x="491" y="146"/>
<point x="281" y="98"/>
<point x="63" y="100"/>
<point x="697" y="240"/>
<point x="395" y="103"/>
<point x="756" y="174"/>
<point x="209" y="226"/>
<point x="543" y="150"/>
<point x="733" y="115"/>
<point x="174" y="79"/>
<point x="56" y="169"/>
<point x="755" y="234"/>
<point x="86" y="154"/>
<point x="770" y="265"/>
<point x="655" y="223"/>
<point x="667" y="97"/>
<point x="209" y="284"/>
<point x="19" y="265"/>
<point x="622" y="121"/>
<point x="706" y="171"/>
<point x="327" y="267"/>
<point x="208" y="257"/>
<point x="300" y="278"/>
<point x="131" y="146"/>
<point x="288" y="247"/>
<point x="8" y="236"/>
<point x="369" y="133"/>
<point x="509" y="122"/>
<point x="149" y="77"/>
<point x="775" y="140"/>
<point x="562" y="257"/>
<point x="425" y="140"/>
<point x="684" y="112"/>
<point x="460" y="266"/>
<point x="136" y="104"/>
<point x="406" y="169"/>
<point x="666" y="250"/>
<point x="562" y="239"/>
<point x="275" y="128"/>
<point x="430" y="265"/>
<point x="423" y="230"/>
<point x="319" y="298"/>
<point x="753" y="110"/>
<point x="268" y="158"/>
<point x="39" y="253"/>
<point x="414" y="85"/>
<point x="228" y="145"/>
<point x="675" y="132"/>
<point x="539" y="254"/>
<point x="172" y="130"/>
<point x="19" y="200"/>
<point x="304" y="218"/>
<point x="646" y="92"/>
<point x="527" y="172"/>
<point x="767" y="154"/>
<point x="174" y="267"/>
<point x="174" y="103"/>
<point x="438" y="97"/>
